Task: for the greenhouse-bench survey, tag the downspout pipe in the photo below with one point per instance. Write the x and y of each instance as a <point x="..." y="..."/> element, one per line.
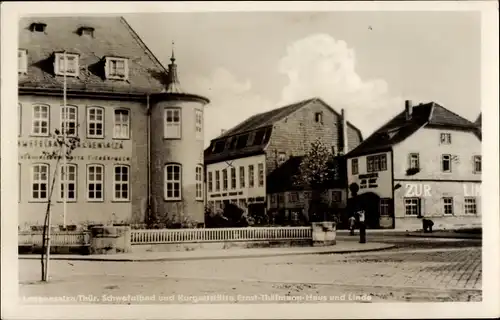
<point x="148" y="155"/>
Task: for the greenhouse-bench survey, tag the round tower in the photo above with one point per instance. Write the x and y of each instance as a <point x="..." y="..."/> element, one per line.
<point x="177" y="141"/>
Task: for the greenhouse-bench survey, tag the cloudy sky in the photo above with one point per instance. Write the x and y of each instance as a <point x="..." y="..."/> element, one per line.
<point x="365" y="62"/>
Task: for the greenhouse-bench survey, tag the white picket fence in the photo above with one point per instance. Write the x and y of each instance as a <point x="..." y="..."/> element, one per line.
<point x="220" y="234"/>
<point x="58" y="238"/>
<point x="146" y="236"/>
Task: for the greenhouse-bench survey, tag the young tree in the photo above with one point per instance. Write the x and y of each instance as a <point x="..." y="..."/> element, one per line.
<point x="65" y="146"/>
<point x="318" y="167"/>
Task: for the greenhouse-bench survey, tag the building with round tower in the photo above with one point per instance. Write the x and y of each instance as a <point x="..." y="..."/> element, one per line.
<point x="140" y="136"/>
<point x="177" y="153"/>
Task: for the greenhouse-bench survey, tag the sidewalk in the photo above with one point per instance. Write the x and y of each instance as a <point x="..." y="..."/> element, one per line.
<point x="451" y="234"/>
<point x="339" y="248"/>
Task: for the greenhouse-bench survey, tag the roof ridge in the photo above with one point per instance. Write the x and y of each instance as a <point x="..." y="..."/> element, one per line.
<point x="141" y="43"/>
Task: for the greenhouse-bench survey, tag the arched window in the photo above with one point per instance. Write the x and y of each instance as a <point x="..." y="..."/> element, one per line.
<point x="173" y="176"/>
<point x="199" y="182"/>
<point x="68" y="183"/>
<point x="40" y="125"/>
<point x="69" y="120"/>
<point x="121" y="183"/>
<point x="39" y="182"/>
<point x="95" y="122"/>
<point x="95" y="182"/>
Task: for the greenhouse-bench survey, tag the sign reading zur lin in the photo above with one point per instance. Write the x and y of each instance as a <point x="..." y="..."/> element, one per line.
<point x="52" y="143"/>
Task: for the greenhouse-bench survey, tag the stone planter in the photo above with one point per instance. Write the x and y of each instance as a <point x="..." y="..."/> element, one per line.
<point x="324" y="233"/>
<point x="110" y="240"/>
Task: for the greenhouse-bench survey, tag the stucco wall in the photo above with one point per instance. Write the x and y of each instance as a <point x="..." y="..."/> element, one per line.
<point x="186" y="151"/>
<point x="131" y="152"/>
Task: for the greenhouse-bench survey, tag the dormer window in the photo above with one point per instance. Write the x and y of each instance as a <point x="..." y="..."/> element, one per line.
<point x="38" y="27"/>
<point x="66" y="64"/>
<point x="86" y="31"/>
<point x="116" y="68"/>
<point x="22" y="61"/>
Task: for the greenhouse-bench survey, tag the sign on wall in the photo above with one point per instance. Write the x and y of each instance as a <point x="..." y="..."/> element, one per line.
<point x="52" y="143"/>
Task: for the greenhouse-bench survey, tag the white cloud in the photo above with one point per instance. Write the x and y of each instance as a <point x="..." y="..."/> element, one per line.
<point x="231" y="101"/>
<point x="316" y="66"/>
<point x="320" y="66"/>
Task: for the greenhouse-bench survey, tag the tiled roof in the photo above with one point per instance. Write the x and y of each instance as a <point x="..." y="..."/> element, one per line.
<point x="265" y="119"/>
<point x="478" y="121"/>
<point x="112" y="37"/>
<point x="398" y="128"/>
<point x="261" y="121"/>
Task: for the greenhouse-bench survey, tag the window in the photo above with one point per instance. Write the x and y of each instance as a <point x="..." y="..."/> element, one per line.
<point x="318" y="117"/>
<point x="445" y="138"/>
<point x="477" y="164"/>
<point x="121" y="183"/>
<point x="241" y="141"/>
<point x="470" y="205"/>
<point x="172" y="123"/>
<point x="19" y="119"/>
<point x="251" y="176"/>
<point x="259" y="138"/>
<point x="412" y="206"/>
<point x="69" y="120"/>
<point x="122" y="124"/>
<point x="224" y="179"/>
<point x="40" y="121"/>
<point x="336" y="196"/>
<point x="446" y="163"/>
<point x="384" y="207"/>
<point x="199" y="124"/>
<point x="66" y="64"/>
<point x="376" y="163"/>
<point x="95" y="183"/>
<point x="448" y="205"/>
<point x="233" y="178"/>
<point x="68" y="182"/>
<point x="199" y="182"/>
<point x="242" y="177"/>
<point x="217" y="180"/>
<point x="354" y="166"/>
<point x="95" y="122"/>
<point x="281" y="158"/>
<point x="22" y="61"/>
<point x="293" y="197"/>
<point x="414" y="161"/>
<point x="210" y="181"/>
<point x="261" y="174"/>
<point x="116" y="68"/>
<point x="40" y="182"/>
<point x="173" y="182"/>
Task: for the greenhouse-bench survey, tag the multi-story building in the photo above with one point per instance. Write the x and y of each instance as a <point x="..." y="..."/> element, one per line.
<point x="240" y="162"/>
<point x="425" y="162"/>
<point x="141" y="137"/>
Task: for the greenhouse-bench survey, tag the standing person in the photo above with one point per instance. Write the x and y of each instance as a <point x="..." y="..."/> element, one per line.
<point x="352" y="224"/>
<point x="362" y="226"/>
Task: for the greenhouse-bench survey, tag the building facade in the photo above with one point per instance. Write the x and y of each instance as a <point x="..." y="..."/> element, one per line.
<point x="140" y="144"/>
<point x="240" y="163"/>
<point x="425" y="162"/>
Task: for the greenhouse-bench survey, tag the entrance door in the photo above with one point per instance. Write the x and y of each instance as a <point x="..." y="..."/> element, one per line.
<point x="386" y="213"/>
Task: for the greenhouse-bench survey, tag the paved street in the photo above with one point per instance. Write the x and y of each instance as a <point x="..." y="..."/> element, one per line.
<point x="442" y="271"/>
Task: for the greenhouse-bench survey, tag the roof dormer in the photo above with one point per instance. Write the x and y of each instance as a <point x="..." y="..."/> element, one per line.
<point x="66" y="64"/>
<point x="38" y="27"/>
<point x="116" y="68"/>
<point x="86" y="31"/>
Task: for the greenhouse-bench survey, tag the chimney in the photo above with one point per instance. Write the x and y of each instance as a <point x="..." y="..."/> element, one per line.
<point x="345" y="146"/>
<point x="408" y="109"/>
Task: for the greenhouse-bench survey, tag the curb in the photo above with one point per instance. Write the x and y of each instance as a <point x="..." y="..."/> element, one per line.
<point x="443" y="236"/>
<point x="260" y="255"/>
